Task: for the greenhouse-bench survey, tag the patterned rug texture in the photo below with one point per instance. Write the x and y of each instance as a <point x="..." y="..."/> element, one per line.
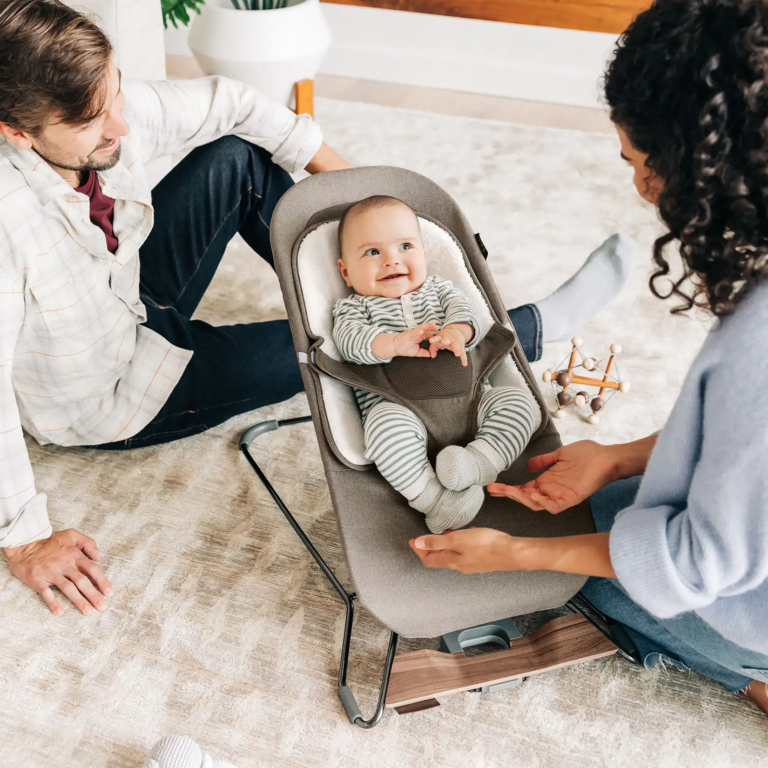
<point x="222" y="627"/>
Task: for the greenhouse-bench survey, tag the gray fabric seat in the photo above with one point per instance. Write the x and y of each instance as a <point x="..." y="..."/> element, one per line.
<point x="375" y="523"/>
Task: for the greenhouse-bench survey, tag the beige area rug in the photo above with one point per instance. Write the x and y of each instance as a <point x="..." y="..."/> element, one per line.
<point x="222" y="627"/>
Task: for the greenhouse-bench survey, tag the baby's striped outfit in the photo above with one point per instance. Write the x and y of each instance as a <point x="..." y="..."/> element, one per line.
<point x="395" y="438"/>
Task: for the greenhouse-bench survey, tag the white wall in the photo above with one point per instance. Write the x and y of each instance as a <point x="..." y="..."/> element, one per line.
<point x="513" y="60"/>
<point x="135" y="29"/>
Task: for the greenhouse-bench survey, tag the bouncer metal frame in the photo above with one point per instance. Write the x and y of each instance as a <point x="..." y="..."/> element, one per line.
<point x="613" y="631"/>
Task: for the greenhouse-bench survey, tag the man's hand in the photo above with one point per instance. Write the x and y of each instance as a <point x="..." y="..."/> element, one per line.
<point x="66" y="561"/>
<point x="574" y="473"/>
<point x="453" y="337"/>
<point x="326" y="159"/>
<point x="472" y="550"/>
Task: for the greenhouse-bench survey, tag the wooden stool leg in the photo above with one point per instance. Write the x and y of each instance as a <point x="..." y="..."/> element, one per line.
<point x="305" y="98"/>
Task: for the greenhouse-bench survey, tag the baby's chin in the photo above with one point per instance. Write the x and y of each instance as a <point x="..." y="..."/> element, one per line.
<point x="393" y="289"/>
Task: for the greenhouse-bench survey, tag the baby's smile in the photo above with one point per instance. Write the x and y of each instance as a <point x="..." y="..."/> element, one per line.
<point x="383" y="253"/>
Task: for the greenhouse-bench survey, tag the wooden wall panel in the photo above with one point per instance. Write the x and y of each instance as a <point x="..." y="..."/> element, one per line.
<point x="590" y="15"/>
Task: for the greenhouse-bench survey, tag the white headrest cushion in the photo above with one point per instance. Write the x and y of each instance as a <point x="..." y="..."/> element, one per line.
<point x="322" y="286"/>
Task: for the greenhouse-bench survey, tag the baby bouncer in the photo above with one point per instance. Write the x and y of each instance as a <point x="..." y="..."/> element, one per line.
<point x="375" y="523"/>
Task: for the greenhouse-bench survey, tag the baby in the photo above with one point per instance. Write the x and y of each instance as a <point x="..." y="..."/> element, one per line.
<point x="396" y="306"/>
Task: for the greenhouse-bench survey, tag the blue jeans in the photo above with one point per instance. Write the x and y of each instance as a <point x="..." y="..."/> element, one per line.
<point x="685" y="641"/>
<point x="526" y="321"/>
<point x="218" y="190"/>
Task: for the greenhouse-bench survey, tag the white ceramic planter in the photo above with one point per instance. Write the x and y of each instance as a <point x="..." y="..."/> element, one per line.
<point x="271" y="50"/>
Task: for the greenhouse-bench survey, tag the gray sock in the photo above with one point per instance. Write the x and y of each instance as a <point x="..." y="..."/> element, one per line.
<point x="590" y="290"/>
<point x="448" y="509"/>
<point x="459" y="468"/>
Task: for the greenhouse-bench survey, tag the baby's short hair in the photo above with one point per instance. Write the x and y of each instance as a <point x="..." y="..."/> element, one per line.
<point x="375" y="201"/>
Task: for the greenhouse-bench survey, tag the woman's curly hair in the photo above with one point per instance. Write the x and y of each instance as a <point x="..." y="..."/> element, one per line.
<point x="689" y="86"/>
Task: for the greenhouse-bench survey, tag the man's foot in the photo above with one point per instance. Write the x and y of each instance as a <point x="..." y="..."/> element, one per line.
<point x="459" y="468"/>
<point x="589" y="291"/>
<point x="448" y="509"/>
<point x="181" y="752"/>
<point x="758" y="692"/>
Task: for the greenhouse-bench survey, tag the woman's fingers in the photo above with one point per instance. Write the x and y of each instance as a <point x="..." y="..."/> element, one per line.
<point x="50" y="600"/>
<point x="518" y="494"/>
<point x="552" y="506"/>
<point x="67" y="588"/>
<point x="545" y="461"/>
<point x="431" y="543"/>
<point x="500" y="489"/>
<point x="445" y="559"/>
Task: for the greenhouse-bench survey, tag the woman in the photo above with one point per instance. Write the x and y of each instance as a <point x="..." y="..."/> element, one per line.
<point x="681" y="554"/>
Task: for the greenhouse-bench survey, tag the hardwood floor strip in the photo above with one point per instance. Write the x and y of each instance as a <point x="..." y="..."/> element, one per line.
<point x="612" y="16"/>
<point x="563" y="641"/>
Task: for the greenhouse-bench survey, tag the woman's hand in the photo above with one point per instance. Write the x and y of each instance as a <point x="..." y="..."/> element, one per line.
<point x="574" y="472"/>
<point x="471" y="550"/>
<point x="480" y="550"/>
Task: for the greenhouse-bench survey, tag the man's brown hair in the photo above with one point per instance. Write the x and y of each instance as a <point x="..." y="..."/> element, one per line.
<point x="53" y="61"/>
<point x="375" y="201"/>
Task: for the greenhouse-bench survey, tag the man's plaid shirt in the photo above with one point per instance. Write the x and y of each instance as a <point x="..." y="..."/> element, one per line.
<point x="77" y="367"/>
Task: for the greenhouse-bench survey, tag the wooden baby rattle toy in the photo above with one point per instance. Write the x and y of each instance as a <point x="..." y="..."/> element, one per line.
<point x="564" y="378"/>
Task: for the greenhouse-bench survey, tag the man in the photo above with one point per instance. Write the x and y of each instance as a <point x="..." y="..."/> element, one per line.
<point x="94" y="350"/>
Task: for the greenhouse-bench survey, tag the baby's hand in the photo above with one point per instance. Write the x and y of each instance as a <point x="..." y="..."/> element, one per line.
<point x="406" y="344"/>
<point x="451" y="337"/>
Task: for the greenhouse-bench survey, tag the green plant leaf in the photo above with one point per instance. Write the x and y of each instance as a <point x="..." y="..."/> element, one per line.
<point x="178" y="10"/>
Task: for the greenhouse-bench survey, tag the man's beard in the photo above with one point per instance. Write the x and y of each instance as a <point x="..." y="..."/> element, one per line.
<point x="52" y="157"/>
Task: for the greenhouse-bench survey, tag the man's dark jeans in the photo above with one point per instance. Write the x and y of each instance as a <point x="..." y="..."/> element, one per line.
<point x="220" y="189"/>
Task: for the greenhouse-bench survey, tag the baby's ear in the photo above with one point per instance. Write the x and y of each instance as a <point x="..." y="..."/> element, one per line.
<point x="344" y="271"/>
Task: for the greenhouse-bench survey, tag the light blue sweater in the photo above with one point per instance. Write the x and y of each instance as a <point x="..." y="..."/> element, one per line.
<point x="696" y="538"/>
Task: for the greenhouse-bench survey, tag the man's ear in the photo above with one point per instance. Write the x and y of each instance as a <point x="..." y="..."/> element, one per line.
<point x="344" y="271"/>
<point x="19" y="139"/>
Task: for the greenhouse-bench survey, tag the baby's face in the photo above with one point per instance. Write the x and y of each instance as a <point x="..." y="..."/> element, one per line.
<point x="382" y="252"/>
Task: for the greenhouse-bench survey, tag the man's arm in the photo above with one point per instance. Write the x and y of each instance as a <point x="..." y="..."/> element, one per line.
<point x="40" y="558"/>
<point x="23" y="512"/>
<point x="172" y="116"/>
<point x="326" y="160"/>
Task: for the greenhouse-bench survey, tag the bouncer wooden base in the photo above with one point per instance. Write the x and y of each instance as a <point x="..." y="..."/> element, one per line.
<point x="422" y="675"/>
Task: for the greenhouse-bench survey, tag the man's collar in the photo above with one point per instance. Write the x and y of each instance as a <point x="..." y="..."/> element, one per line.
<point x="42" y="179"/>
<point x="118" y="182"/>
